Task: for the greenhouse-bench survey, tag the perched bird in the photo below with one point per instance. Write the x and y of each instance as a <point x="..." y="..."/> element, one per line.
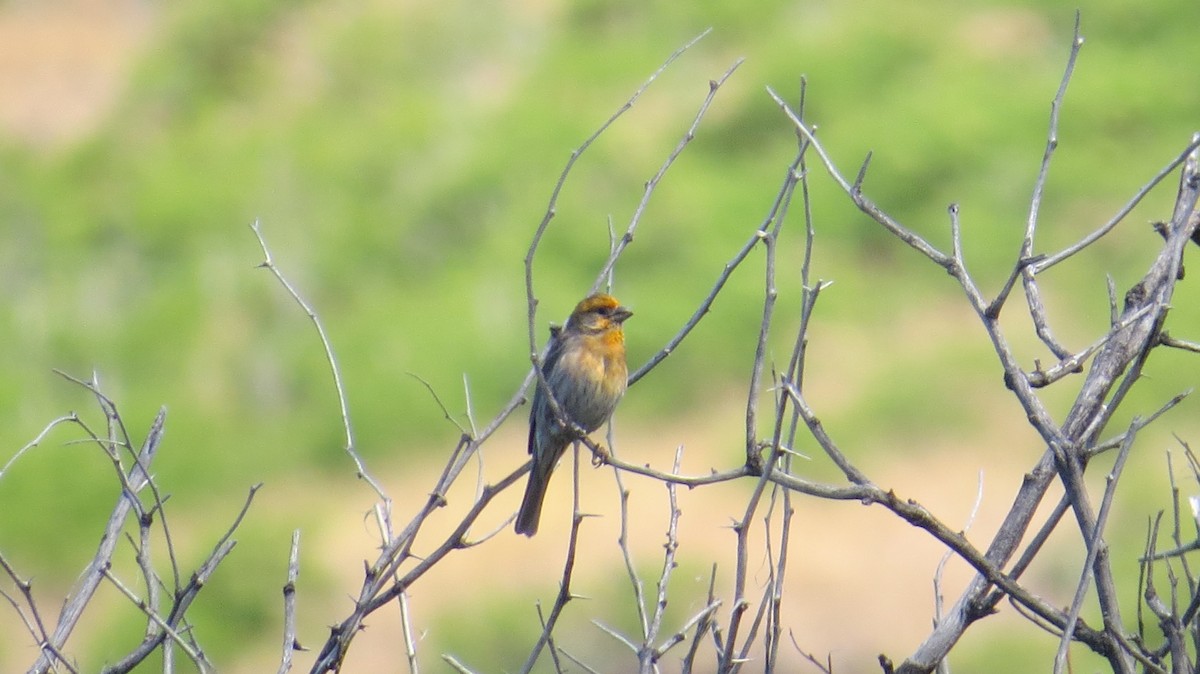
<point x="585" y="371"/>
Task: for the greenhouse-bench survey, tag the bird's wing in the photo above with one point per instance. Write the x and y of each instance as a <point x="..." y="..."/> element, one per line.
<point x="552" y="356"/>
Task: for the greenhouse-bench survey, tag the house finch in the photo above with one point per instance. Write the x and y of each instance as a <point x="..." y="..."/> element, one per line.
<point x="585" y="371"/>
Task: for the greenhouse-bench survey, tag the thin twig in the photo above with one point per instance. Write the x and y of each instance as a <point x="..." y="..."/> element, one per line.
<point x="196" y="657"/>
<point x="635" y="581"/>
<point x="704" y="625"/>
<point x="456" y="665"/>
<point x="290" y="643"/>
<point x="92" y="575"/>
<point x="410" y="646"/>
<point x="914" y="240"/>
<point x="552" y="206"/>
<point x="437" y="399"/>
<point x="187" y="595"/>
<point x="1050" y="260"/>
<point x="938" y="599"/>
<point x="350" y="447"/>
<point x="1096" y="547"/>
<point x="605" y="274"/>
<point x="37" y="440"/>
<point x="1032" y="294"/>
<point x="649" y="655"/>
<point x="564" y="589"/>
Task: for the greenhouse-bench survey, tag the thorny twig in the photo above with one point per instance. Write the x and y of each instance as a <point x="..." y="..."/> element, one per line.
<point x="167" y="629"/>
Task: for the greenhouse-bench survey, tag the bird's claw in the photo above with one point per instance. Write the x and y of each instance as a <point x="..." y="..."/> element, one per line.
<point x="600" y="455"/>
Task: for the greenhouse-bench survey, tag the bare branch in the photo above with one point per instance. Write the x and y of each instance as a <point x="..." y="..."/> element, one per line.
<point x="1095" y="548"/>
<point x="864" y="204"/>
<point x="290" y="643"/>
<point x="410" y="646"/>
<point x="564" y="588"/>
<point x="648" y="654"/>
<point x="1050" y="260"/>
<point x="94" y="573"/>
<point x="350" y="447"/>
<point x="551" y="208"/>
<point x="619" y="245"/>
<point x="1032" y="294"/>
<point x="437" y="399"/>
<point x="198" y="658"/>
<point x="635" y="581"/>
<point x="37" y="440"/>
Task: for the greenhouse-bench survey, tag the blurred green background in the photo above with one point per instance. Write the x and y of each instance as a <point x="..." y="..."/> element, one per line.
<point x="399" y="156"/>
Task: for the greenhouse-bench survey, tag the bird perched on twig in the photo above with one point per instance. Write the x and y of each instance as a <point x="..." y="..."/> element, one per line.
<point x="586" y="373"/>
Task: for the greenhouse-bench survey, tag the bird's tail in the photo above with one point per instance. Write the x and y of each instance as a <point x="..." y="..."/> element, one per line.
<point x="531" y="505"/>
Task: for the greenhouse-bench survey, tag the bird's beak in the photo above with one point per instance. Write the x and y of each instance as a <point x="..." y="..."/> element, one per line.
<point x="621" y="314"/>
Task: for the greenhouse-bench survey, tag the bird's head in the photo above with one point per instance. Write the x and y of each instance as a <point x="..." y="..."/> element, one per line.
<point x="598" y="313"/>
